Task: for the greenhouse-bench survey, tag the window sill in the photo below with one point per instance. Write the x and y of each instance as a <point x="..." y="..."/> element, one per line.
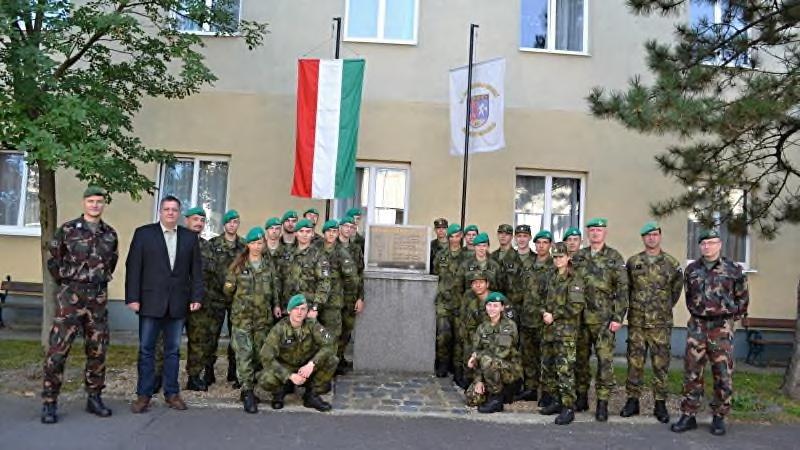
<point x="210" y="33"/>
<point x="381" y="41"/>
<point x="6" y="230"/>
<point x="554" y="52"/>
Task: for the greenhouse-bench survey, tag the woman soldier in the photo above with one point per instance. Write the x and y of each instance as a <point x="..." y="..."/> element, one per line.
<point x="251" y="282"/>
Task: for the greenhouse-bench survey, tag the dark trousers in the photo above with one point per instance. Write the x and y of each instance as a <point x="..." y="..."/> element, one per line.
<point x="149" y="328"/>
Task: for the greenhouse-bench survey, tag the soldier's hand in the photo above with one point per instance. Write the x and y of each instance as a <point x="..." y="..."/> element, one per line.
<point x="297" y="379"/>
<point x="313" y="314"/>
<point x="306" y="370"/>
<point x="194" y="306"/>
<point x="277" y="312"/>
<point x="479" y="388"/>
<point x="359" y="306"/>
<point x="548" y="318"/>
<point x="134" y="306"/>
<point x="473" y="361"/>
<point x="614" y="326"/>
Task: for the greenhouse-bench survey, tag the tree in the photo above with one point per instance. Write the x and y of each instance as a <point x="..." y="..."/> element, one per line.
<point x="729" y="89"/>
<point x="73" y="74"/>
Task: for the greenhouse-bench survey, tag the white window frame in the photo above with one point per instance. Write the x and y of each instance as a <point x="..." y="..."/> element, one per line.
<point x="207" y="31"/>
<point x="548" y="188"/>
<point x="372" y="169"/>
<point x="21" y="230"/>
<point x="551" y="33"/>
<point x="718" y="13"/>
<point x="380" y="31"/>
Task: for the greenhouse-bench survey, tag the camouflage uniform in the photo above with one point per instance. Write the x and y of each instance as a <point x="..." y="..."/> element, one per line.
<point x="286" y="349"/>
<point x="254" y="296"/>
<point x="498" y="359"/>
<point x="655" y="287"/>
<point x="436" y="247"/>
<point x="606" y="279"/>
<point x="344" y="271"/>
<point x="535" y="284"/>
<point x="509" y="264"/>
<point x="565" y="301"/>
<point x="716" y="296"/>
<point x="448" y="301"/>
<point x="470" y="264"/>
<point x="472" y="313"/>
<point x="353" y="290"/>
<point x="83" y="257"/>
<point x="309" y="272"/>
<point x="358" y="240"/>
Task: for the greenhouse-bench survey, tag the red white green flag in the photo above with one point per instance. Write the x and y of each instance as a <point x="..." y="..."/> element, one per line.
<point x="328" y="108"/>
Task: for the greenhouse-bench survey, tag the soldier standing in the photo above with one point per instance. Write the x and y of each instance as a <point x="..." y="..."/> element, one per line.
<point x="448" y="294"/>
<point x="272" y="240"/>
<point x="656" y="281"/>
<point x="357" y="238"/>
<point x="288" y="222"/>
<point x="716" y="296"/>
<point x="298" y="352"/>
<point x="313" y="215"/>
<point x="606" y="280"/>
<point x="507" y="258"/>
<point x="308" y="272"/>
<point x="440" y="242"/>
<point x="343" y="271"/>
<point x="472" y="313"/>
<point x="199" y="324"/>
<point x="83" y="256"/>
<point x="353" y="292"/>
<point x="572" y="237"/>
<point x="470" y="231"/>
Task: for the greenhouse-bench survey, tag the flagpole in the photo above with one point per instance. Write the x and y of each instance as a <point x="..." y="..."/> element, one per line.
<point x="472" y="29"/>
<point x="336" y="49"/>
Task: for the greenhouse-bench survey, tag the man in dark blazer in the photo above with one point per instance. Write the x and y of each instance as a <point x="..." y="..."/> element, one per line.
<point x="163" y="283"/>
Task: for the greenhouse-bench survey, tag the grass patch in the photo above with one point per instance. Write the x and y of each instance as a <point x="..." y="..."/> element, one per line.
<point x="15" y="354"/>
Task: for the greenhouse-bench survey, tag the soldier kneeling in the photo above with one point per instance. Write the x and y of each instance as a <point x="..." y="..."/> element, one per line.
<point x="495" y="359"/>
<point x="298" y="351"/>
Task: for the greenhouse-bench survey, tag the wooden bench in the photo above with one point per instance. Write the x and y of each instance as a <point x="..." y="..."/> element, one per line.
<point x="18" y="287"/>
<point x="756" y="342"/>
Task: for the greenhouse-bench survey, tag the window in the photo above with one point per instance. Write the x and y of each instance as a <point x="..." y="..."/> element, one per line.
<point x="554" y="25"/>
<point x="198" y="181"/>
<point x="388" y="21"/>
<point x="382" y="191"/>
<point x="718" y="18"/>
<point x="19" y="195"/>
<point x="549" y="202"/>
<point x="189" y="26"/>
<point x="735" y="247"/>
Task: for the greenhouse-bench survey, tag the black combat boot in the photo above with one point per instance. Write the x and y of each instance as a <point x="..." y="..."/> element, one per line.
<point x="94" y="405"/>
<point x="582" y="402"/>
<point x="250" y="403"/>
<point x="458" y="377"/>
<point x="526" y="395"/>
<point x="208" y="375"/>
<point x="566" y="416"/>
<point x="553" y="408"/>
<point x="685" y="423"/>
<point x="545" y="400"/>
<point x="49" y="413"/>
<point x="232" y="372"/>
<point x="508" y="392"/>
<point x="157" y="384"/>
<point x="195" y="383"/>
<point x="660" y="411"/>
<point x="601" y="414"/>
<point x="277" y="399"/>
<point x="492" y="405"/>
<point x="312" y="400"/>
<point x="342" y="368"/>
<point x="441" y="369"/>
<point x="718" y="426"/>
<point x="631" y="408"/>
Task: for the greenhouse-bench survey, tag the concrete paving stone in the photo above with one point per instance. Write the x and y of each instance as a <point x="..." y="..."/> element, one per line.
<point x="408" y="408"/>
<point x="412" y="402"/>
<point x="390" y="402"/>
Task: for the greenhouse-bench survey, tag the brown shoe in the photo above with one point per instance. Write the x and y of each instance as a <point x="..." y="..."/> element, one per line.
<point x="140" y="405"/>
<point x="176" y="402"/>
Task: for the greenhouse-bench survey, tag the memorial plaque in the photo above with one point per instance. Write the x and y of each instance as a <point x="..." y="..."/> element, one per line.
<point x="402" y="248"/>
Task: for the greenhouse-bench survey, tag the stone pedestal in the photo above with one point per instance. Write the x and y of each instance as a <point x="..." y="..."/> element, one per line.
<point x="397" y="330"/>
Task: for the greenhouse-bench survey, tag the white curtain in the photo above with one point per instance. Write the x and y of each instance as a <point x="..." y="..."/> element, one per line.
<point x="569" y="25"/>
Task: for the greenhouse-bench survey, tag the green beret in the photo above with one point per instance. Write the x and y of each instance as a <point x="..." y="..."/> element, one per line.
<point x="330" y="224"/>
<point x="290" y="214"/>
<point x="523" y="229"/>
<point x="544" y="234"/>
<point x="91" y="191"/>
<point x="440" y="223"/>
<point x="572" y="231"/>
<point x="453" y="229"/>
<point x="476" y="275"/>
<point x="296" y="301"/>
<point x="352" y="212"/>
<point x="597" y="222"/>
<point x="230" y="215"/>
<point x="469" y="228"/>
<point x="505" y="228"/>
<point x="254" y="234"/>
<point x="495" y="297"/>
<point x="312" y="211"/>
<point x="648" y="227"/>
<point x="707" y="234"/>
<point x="559" y="249"/>
<point x="196" y="211"/>
<point x="347" y="219"/>
<point x="304" y="223"/>
<point x="272" y="221"/>
<point x="481" y="238"/>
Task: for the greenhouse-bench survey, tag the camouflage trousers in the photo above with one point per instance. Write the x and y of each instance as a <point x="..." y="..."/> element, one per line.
<point x="348" y="324"/>
<point x="640" y="341"/>
<point x="220" y="311"/>
<point x="247" y="343"/>
<point x="708" y="341"/>
<point x="558" y="367"/>
<point x="200" y="328"/>
<point x="331" y="318"/>
<point x="270" y="380"/>
<point x="445" y="333"/>
<point x="599" y="337"/>
<point x="79" y="309"/>
<point x="530" y="342"/>
<point x="495" y="373"/>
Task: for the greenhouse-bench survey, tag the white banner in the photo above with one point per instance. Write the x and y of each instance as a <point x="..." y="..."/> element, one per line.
<point x="486" y="110"/>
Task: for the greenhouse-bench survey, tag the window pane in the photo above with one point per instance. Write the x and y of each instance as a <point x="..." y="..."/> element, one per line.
<point x="212" y="191"/>
<point x="390" y="196"/>
<point x="529" y="202"/>
<point x="234" y="7"/>
<point x="362" y="19"/>
<point x="569" y="25"/>
<point x="31" y="218"/>
<point x="186" y="24"/>
<point x="399" y="21"/>
<point x="700" y="10"/>
<point x="177" y="182"/>
<point x="12" y="166"/>
<point x="533" y="24"/>
<point x="360" y="197"/>
<point x="565" y="206"/>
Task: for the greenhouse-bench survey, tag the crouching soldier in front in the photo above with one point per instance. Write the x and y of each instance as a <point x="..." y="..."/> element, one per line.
<point x="494" y="358"/>
<point x="298" y="351"/>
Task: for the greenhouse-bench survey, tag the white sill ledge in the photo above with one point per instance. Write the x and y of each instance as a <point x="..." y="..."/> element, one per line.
<point x="554" y="52"/>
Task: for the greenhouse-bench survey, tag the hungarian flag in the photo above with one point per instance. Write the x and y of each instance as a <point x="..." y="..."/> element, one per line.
<point x="328" y="107"/>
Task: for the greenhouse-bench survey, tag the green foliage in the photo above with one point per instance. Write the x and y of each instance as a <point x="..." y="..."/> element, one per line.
<point x="73" y="75"/>
<point x="730" y="91"/>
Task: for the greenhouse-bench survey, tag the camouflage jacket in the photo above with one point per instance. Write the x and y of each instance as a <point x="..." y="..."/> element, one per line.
<point x="451" y="286"/>
<point x="343" y="272"/>
<point x="718" y="291"/>
<point x="80" y="255"/>
<point x="565" y="300"/>
<point x="655" y="287"/>
<point x="436" y="247"/>
<point x="254" y="295"/>
<point x="606" y="279"/>
<point x="358" y="240"/>
<point x="471" y="264"/>
<point x="218" y="254"/>
<point x="307" y="272"/>
<point x="472" y="313"/>
<point x="275" y="255"/>
<point x="356" y="289"/>
<point x="287" y="348"/>
<point x="499" y="341"/>
<point x="534" y="291"/>
<point x="510" y="266"/>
